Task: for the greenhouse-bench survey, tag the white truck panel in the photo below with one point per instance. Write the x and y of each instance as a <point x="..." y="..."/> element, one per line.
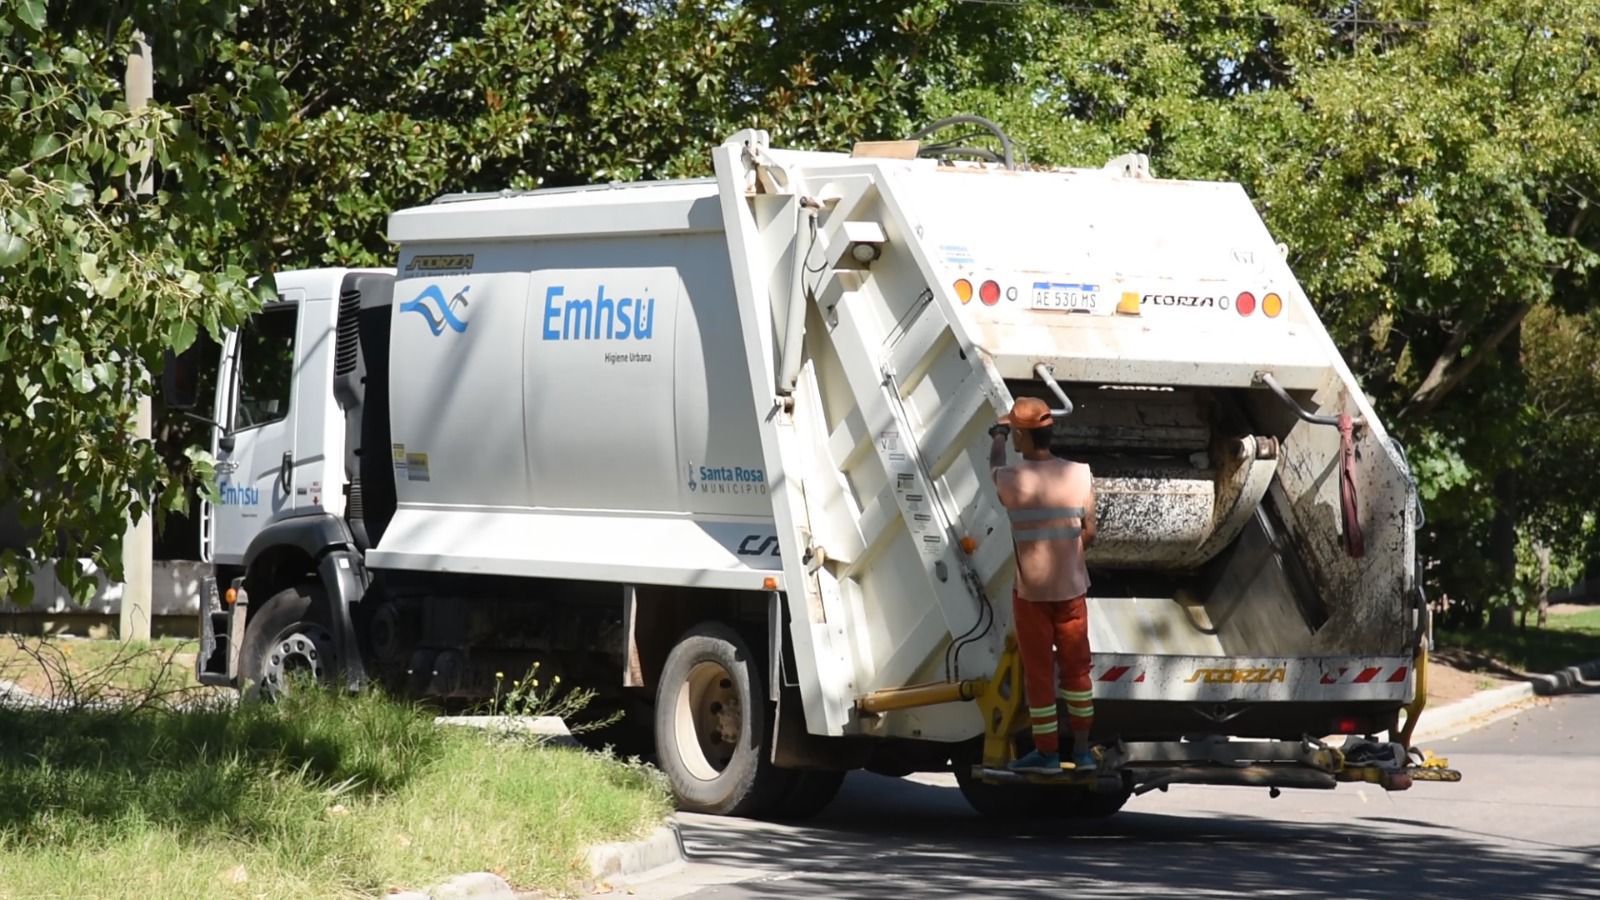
<point x="585" y="376"/>
<point x="728" y="554"/>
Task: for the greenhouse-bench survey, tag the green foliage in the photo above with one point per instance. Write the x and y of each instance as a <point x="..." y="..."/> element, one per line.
<point x="1428" y="165"/>
<point x="95" y="282"/>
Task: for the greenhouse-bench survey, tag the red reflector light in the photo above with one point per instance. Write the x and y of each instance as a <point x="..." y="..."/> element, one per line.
<point x="1348" y="726"/>
<point x="1245" y="303"/>
<point x="989" y="293"/>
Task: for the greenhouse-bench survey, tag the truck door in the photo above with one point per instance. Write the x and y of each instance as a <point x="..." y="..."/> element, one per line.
<point x="255" y="461"/>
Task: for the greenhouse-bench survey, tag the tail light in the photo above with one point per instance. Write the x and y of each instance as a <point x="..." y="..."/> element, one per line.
<point x="989" y="293"/>
<point x="1245" y="303"/>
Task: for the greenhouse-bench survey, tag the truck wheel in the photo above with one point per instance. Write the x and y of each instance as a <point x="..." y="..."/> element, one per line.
<point x="1084" y="803"/>
<point x="712" y="728"/>
<point x="809" y="793"/>
<point x="288" y="638"/>
<point x="1000" y="801"/>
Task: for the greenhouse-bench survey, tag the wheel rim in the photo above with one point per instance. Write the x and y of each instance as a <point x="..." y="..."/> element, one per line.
<point x="304" y="649"/>
<point x="708" y="720"/>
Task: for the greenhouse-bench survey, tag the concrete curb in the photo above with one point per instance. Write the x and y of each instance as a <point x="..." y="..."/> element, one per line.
<point x="550" y="727"/>
<point x="472" y="886"/>
<point x="1572" y="678"/>
<point x="1489" y="706"/>
<point x="609" y="864"/>
<point x="638" y="860"/>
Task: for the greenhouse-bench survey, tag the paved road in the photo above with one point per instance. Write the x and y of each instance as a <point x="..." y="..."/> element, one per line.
<point x="1525" y="822"/>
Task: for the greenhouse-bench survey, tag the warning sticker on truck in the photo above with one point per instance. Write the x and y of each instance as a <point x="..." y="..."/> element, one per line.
<point x="408" y="465"/>
<point x="416" y="467"/>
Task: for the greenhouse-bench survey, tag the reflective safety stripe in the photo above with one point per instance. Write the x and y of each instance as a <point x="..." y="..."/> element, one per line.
<point x="1046" y="728"/>
<point x="1080" y="696"/>
<point x="1046" y="514"/>
<point x="1085" y="712"/>
<point x="1041" y="711"/>
<point x="1046" y="534"/>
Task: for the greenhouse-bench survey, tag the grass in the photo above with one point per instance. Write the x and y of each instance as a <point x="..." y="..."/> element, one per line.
<point x="1566" y="640"/>
<point x="320" y="796"/>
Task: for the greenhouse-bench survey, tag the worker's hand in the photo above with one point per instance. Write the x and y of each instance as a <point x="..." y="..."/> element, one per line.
<point x="999" y="431"/>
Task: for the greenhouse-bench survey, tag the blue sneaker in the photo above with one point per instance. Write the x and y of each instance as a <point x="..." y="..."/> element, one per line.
<point x="1084" y="761"/>
<point x="1037" y="763"/>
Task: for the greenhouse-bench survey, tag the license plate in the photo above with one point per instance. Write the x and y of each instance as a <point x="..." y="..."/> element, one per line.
<point x="1064" y="297"/>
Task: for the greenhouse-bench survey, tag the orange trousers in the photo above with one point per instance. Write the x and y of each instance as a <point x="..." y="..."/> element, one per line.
<point x="1064" y="629"/>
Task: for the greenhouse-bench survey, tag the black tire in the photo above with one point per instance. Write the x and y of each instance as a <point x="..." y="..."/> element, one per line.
<point x="288" y="635"/>
<point x="1085" y="803"/>
<point x="809" y="793"/>
<point x="711" y="689"/>
<point x="1001" y="801"/>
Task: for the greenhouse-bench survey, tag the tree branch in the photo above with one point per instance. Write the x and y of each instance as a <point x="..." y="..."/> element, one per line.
<point x="1451" y="368"/>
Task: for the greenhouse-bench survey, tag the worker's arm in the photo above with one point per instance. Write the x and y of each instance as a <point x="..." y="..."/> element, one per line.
<point x="997" y="449"/>
<point x="1090" y="521"/>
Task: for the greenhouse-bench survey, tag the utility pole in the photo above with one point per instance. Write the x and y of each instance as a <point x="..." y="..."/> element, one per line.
<point x="138" y="543"/>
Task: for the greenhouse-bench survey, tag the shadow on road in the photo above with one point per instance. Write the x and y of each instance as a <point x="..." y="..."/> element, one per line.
<point x="909" y="840"/>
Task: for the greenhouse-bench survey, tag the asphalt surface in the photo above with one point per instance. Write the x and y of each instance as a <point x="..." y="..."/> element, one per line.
<point x="1524" y="822"/>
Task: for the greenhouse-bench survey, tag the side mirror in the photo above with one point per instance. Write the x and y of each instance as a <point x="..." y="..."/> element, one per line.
<point x="180" y="378"/>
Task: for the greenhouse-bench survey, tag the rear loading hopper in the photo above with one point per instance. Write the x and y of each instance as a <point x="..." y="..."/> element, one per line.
<point x="1254" y="571"/>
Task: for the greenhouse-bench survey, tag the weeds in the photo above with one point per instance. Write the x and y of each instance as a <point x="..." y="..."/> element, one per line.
<point x="528" y="697"/>
<point x="81" y="674"/>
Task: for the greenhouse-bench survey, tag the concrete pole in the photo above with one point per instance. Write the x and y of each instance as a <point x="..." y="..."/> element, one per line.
<point x="138" y="543"/>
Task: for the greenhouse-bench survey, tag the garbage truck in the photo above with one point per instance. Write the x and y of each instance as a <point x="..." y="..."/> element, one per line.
<point x="717" y="449"/>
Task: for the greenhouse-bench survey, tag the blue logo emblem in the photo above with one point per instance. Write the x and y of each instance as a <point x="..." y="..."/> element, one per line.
<point x="445" y="317"/>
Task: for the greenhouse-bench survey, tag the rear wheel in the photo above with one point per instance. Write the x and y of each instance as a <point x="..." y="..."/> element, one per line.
<point x="1001" y="801"/>
<point x="712" y="726"/>
<point x="809" y="794"/>
<point x="1088" y="803"/>
<point x="288" y="639"/>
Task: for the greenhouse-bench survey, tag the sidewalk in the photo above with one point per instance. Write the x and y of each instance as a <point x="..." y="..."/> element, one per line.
<point x="1438" y="723"/>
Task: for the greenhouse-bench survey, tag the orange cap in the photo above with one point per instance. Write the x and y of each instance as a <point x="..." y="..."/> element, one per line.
<point x="1028" y="412"/>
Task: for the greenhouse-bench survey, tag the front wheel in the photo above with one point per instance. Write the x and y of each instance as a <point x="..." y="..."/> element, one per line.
<point x="288" y="639"/>
<point x="712" y="726"/>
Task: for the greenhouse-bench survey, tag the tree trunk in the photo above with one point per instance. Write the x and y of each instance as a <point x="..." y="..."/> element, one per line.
<point x="1543" y="553"/>
<point x="1503" y="530"/>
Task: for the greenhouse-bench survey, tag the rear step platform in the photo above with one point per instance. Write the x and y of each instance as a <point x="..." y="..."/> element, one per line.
<point x="1310" y="765"/>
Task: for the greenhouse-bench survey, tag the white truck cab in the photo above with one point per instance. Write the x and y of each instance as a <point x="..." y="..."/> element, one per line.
<point x="280" y="449"/>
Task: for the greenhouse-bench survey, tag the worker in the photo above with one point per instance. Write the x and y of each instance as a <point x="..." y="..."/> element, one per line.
<point x="1051" y="506"/>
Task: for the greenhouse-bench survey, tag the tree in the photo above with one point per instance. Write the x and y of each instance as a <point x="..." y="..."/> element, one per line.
<point x="94" y="283"/>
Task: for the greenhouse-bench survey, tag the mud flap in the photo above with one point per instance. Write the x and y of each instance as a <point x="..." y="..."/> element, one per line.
<point x="344" y="578"/>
